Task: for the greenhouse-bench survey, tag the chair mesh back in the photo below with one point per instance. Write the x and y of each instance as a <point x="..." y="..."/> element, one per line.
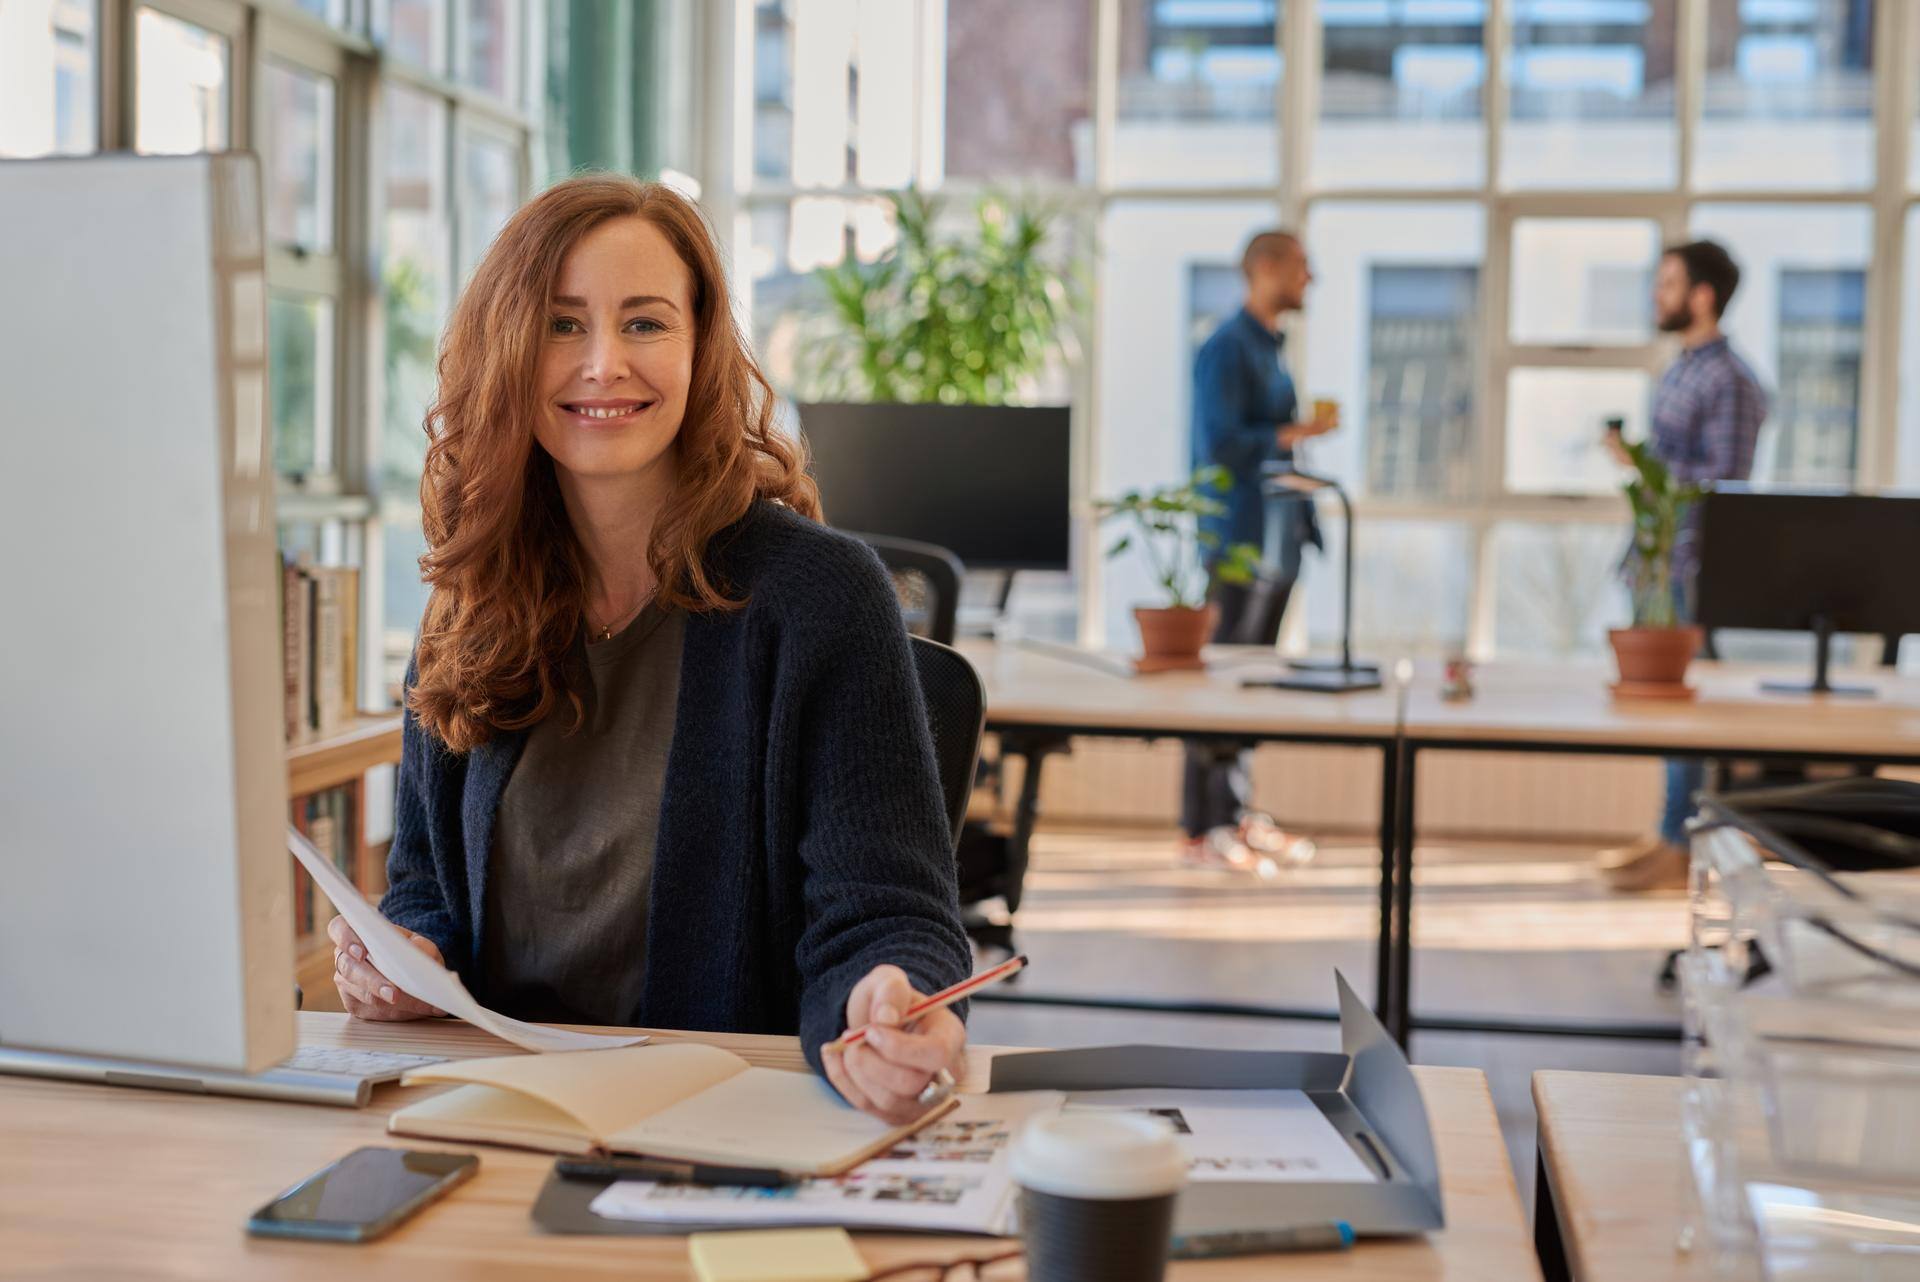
<point x="918" y="603"/>
<point x="956" y="711"/>
<point x="936" y="598"/>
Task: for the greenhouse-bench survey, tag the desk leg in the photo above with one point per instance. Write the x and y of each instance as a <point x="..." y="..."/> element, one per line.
<point x="1026" y="810"/>
<point x="1547" y="1243"/>
<point x="1401" y="1025"/>
<point x="1389" y="821"/>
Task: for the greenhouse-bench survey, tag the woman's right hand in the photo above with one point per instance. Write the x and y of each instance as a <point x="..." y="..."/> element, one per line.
<point x="364" y="991"/>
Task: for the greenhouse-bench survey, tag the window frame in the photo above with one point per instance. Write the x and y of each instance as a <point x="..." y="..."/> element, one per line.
<point x="727" y="177"/>
<point x="346" y="505"/>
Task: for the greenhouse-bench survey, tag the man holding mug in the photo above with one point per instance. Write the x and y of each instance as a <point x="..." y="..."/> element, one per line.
<point x="1707" y="412"/>
<point x="1246" y="415"/>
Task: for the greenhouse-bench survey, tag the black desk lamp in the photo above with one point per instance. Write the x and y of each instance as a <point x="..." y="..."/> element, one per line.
<point x="1332" y="676"/>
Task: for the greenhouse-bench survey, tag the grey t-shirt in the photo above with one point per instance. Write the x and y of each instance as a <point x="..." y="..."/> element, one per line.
<point x="571" y="866"/>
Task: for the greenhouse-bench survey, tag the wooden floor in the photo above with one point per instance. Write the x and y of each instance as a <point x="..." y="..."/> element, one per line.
<point x="1500" y="929"/>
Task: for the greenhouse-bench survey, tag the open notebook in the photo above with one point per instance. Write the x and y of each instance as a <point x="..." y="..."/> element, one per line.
<point x="683" y="1100"/>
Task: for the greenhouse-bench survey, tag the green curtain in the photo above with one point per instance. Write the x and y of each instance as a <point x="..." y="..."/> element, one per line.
<point x="615" y="71"/>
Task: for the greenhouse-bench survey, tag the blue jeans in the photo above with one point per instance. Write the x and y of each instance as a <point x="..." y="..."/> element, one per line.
<point x="1684" y="778"/>
<point x="1685" y="775"/>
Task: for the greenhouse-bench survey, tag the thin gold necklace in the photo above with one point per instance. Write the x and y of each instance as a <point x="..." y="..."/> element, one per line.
<point x="605" y="633"/>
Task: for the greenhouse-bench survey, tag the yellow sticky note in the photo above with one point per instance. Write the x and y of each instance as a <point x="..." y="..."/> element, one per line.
<point x="776" y="1255"/>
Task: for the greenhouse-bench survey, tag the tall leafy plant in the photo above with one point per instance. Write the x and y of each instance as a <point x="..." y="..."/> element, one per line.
<point x="960" y="319"/>
<point x="1660" y="506"/>
<point x="1165" y="523"/>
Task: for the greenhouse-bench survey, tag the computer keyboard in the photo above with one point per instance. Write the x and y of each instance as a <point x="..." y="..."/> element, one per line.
<point x="311" y="1075"/>
<point x="382" y="1066"/>
<point x="326" y="1075"/>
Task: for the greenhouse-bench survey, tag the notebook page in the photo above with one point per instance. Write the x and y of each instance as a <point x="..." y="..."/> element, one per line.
<point x="761" y="1117"/>
<point x="416" y="974"/>
<point x="604" y="1090"/>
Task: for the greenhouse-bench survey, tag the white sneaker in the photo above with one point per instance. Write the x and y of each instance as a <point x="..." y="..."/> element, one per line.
<point x="1280" y="847"/>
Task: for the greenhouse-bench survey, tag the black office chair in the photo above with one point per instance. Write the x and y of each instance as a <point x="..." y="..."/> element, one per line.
<point x="1259" y="621"/>
<point x="991" y="865"/>
<point x="927" y="579"/>
<point x="956" y="714"/>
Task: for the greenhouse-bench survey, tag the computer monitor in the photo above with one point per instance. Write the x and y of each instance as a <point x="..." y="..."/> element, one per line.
<point x="144" y="878"/>
<point x="989" y="483"/>
<point x="1803" y="562"/>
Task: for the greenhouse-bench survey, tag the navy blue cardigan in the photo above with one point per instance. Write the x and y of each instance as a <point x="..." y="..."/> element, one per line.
<point x="802" y="841"/>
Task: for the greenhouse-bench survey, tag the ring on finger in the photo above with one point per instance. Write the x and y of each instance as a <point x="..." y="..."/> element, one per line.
<point x="936" y="1091"/>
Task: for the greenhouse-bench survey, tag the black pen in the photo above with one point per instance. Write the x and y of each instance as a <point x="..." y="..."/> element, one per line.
<point x="620" y="1168"/>
<point x="1335" y="1235"/>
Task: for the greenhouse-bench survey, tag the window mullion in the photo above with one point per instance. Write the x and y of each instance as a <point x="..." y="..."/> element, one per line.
<point x="357" y="281"/>
<point x="1297" y="106"/>
<point x="1877" y="434"/>
<point x="1106" y="90"/>
<point x="1091" y="581"/>
<point x="1689" y="81"/>
<point x="1496" y="39"/>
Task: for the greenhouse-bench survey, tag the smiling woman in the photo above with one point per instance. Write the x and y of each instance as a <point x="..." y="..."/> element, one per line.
<point x="665" y="759"/>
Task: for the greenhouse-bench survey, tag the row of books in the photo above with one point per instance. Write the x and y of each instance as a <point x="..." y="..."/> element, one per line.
<point x="330" y="822"/>
<point x="320" y="617"/>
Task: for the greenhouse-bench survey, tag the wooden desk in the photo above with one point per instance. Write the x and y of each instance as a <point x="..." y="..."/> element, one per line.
<point x="1611" y="1183"/>
<point x="98" y="1182"/>
<point x="1044" y="688"/>
<point x="1040" y="696"/>
<point x="1568" y="708"/>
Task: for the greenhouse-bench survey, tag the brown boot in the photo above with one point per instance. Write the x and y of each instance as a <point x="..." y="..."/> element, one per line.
<point x="1621" y="856"/>
<point x="1663" y="867"/>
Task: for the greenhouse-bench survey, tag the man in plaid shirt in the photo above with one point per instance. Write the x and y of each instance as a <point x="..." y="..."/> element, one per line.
<point x="1707" y="413"/>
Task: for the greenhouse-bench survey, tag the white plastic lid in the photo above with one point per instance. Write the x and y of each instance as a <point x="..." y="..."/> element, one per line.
<point x="1099" y="1155"/>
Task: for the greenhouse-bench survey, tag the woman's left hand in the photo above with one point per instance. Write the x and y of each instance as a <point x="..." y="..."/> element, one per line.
<point x="886" y="1071"/>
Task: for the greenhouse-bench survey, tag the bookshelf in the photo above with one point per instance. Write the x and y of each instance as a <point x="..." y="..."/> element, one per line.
<point x="340" y="760"/>
<point x="373" y="739"/>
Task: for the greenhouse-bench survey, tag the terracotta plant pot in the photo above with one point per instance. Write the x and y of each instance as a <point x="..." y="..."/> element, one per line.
<point x="1171" y="637"/>
<point x="1653" y="661"/>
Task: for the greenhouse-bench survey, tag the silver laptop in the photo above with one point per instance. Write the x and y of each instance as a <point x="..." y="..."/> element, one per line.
<point x="146" y="923"/>
<point x="312" y="1075"/>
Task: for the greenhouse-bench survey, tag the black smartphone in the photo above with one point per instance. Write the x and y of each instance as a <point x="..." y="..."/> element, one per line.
<point x="363" y="1195"/>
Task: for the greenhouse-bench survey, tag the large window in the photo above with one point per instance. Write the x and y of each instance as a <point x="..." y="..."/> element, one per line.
<point x="1401" y="283"/>
<point x="182" y="85"/>
<point x="393" y="140"/>
<point x="1788" y="96"/>
<point x="1590" y="94"/>
<point x="49" y="69"/>
<point x="1484" y="190"/>
<point x="1195" y="88"/>
<point x="1400" y="95"/>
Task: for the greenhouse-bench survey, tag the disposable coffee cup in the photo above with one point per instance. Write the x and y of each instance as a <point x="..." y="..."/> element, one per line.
<point x="1097" y="1192"/>
<point x="1325" y="409"/>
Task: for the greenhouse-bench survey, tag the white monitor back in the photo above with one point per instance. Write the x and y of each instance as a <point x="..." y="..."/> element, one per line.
<point x="144" y="878"/>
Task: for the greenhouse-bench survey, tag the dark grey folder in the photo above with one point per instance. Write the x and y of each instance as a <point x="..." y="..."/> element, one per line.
<point x="1368" y="1093"/>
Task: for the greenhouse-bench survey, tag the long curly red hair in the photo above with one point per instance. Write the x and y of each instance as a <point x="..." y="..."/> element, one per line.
<point x="507" y="571"/>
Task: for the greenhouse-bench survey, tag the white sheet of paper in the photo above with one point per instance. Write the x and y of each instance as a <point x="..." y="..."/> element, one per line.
<point x="1267" y="1137"/>
<point x="952" y="1176"/>
<point x="413" y="972"/>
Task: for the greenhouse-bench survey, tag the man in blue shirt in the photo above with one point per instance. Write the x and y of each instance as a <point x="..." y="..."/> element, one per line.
<point x="1707" y="412"/>
<point x="1246" y="416"/>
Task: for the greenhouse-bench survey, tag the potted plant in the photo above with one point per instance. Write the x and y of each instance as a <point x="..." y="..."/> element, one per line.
<point x="1166" y="524"/>
<point x="1654" y="653"/>
<point x="960" y="318"/>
